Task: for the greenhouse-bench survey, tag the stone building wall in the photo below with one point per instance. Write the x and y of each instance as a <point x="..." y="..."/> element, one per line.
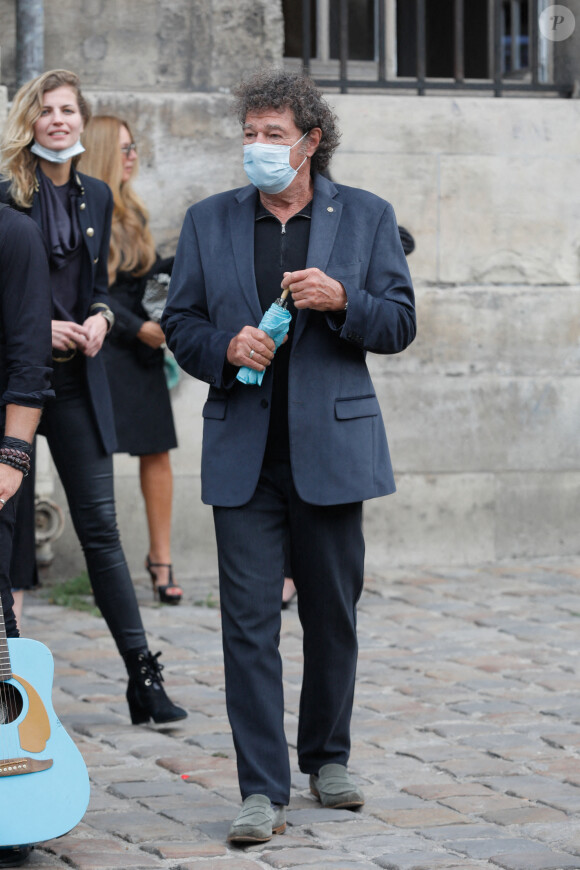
<point x="482" y="410"/>
<point x="152" y="45"/>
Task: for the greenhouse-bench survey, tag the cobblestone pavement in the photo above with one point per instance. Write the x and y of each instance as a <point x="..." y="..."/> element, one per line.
<point x="466" y="732"/>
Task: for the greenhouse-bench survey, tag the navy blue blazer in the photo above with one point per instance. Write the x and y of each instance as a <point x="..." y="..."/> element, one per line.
<point x="95" y="210"/>
<point x="338" y="445"/>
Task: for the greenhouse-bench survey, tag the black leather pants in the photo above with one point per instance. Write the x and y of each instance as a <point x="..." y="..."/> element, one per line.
<point x="86" y="473"/>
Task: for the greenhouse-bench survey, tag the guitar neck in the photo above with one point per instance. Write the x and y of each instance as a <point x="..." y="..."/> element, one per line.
<point x="5" y="666"/>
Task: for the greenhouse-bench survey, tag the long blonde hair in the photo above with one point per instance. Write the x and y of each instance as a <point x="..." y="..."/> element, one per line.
<point x="18" y="164"/>
<point x="132" y="247"/>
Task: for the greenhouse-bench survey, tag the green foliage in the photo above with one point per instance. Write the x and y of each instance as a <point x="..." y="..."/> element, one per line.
<point x="208" y="601"/>
<point x="75" y="593"/>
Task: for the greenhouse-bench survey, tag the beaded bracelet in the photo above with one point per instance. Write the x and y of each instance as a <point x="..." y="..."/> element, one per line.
<point x="16" y="458"/>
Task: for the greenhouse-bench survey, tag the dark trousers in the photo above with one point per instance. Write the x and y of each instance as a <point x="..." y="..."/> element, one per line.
<point x="86" y="473"/>
<point x="7" y="521"/>
<point x="327" y="556"/>
<point x="23" y="570"/>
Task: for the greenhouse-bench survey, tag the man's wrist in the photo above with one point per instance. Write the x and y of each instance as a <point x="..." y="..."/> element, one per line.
<point x="18" y="459"/>
<point x="16" y="444"/>
<point x="344" y="300"/>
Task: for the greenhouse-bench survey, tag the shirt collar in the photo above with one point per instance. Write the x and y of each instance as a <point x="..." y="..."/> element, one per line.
<point x="262" y="212"/>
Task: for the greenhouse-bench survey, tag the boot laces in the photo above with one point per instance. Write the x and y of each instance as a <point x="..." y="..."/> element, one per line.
<point x="151" y="668"/>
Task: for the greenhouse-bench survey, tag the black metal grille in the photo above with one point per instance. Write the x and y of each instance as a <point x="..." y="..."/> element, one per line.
<point x="496" y="79"/>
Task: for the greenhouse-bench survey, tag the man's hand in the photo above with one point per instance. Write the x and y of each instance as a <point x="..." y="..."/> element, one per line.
<point x="10" y="480"/>
<point x="151" y="334"/>
<point x="311" y="288"/>
<point x="251" y="347"/>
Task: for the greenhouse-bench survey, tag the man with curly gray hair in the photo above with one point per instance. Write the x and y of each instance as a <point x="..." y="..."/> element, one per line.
<point x="279" y="91"/>
<point x="298" y="444"/>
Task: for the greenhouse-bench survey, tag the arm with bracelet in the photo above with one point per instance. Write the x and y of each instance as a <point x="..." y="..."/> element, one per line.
<point x="15" y="450"/>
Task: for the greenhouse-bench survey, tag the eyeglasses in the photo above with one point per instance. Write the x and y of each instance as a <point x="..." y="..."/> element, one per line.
<point x="126" y="149"/>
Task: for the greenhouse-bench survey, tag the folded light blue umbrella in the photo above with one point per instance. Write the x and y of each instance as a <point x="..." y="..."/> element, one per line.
<point x="275" y="323"/>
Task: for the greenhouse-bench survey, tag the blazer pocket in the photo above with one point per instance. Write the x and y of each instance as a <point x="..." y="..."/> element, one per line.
<point x="214" y="409"/>
<point x="358" y="406"/>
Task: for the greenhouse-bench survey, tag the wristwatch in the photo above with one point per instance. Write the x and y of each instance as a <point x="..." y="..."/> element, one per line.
<point x="101" y="308"/>
<point x="109" y="317"/>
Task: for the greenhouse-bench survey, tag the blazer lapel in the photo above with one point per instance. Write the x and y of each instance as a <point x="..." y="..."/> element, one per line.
<point x="326" y="214"/>
<point x="242" y="217"/>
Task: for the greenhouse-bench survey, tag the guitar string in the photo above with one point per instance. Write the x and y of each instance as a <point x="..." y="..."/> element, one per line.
<point x="9" y="742"/>
<point x="4" y="710"/>
<point x="4" y="733"/>
<point x="10" y="701"/>
<point x="4" y="716"/>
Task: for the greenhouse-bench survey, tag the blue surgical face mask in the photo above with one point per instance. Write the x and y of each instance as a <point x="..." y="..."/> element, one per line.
<point x="268" y="166"/>
<point x="57" y="156"/>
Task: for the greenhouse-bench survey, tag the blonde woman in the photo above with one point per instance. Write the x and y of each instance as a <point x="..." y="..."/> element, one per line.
<point x="134" y="352"/>
<point x="40" y="149"/>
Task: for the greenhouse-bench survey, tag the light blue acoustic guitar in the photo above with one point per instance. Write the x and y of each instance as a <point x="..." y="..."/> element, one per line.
<point x="44" y="784"/>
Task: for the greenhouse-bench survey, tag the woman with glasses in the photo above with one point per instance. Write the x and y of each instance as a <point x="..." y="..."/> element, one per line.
<point x="40" y="149"/>
<point x="134" y="353"/>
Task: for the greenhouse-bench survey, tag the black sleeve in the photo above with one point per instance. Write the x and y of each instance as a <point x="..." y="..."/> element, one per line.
<point x="25" y="312"/>
<point x="127" y="321"/>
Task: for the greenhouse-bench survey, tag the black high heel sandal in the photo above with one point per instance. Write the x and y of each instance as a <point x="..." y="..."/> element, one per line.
<point x="168" y="593"/>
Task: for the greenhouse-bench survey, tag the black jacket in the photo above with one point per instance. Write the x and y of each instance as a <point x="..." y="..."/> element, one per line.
<point x="25" y="311"/>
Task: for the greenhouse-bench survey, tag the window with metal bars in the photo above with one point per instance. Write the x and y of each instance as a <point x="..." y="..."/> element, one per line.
<point x="424" y="44"/>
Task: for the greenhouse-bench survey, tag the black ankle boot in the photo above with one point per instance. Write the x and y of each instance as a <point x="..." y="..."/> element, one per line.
<point x="14" y="856"/>
<point x="145" y="694"/>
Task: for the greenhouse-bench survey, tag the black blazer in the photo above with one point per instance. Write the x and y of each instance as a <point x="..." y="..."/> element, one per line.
<point x="95" y="210"/>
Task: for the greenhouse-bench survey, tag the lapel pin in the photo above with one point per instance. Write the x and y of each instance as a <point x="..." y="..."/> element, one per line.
<point x="330" y="208"/>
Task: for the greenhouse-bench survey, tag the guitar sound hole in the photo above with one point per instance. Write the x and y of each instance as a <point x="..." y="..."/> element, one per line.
<point x="10" y="703"/>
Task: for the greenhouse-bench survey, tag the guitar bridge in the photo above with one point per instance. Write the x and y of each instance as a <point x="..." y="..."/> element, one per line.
<point x="19" y="766"/>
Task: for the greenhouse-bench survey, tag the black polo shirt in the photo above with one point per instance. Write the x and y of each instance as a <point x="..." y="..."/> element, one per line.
<point x="279" y="248"/>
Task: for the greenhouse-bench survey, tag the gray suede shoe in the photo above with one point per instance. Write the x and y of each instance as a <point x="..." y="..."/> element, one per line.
<point x="257" y="821"/>
<point x="335" y="789"/>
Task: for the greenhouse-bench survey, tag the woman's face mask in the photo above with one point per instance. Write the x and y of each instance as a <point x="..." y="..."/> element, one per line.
<point x="54" y="156"/>
<point x="268" y="166"/>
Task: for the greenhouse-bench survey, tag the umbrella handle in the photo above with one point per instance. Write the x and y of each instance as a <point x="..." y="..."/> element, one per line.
<point x="284" y="293"/>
